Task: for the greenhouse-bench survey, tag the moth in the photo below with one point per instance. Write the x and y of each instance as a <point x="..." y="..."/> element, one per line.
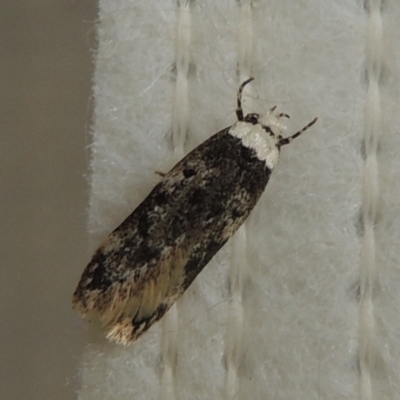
<point x="147" y="262"/>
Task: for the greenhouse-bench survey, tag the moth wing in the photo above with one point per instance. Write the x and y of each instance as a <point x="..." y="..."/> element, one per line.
<point x="153" y="256"/>
<point x="128" y="306"/>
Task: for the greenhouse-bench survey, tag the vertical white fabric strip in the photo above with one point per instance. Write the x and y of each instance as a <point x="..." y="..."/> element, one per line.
<point x="240" y="266"/>
<point x="370" y="197"/>
<point x="245" y="40"/>
<point x="180" y="115"/>
<point x="180" y="129"/>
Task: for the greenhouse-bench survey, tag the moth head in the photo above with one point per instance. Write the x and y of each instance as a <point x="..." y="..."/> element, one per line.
<point x="271" y="122"/>
<point x="261" y="134"/>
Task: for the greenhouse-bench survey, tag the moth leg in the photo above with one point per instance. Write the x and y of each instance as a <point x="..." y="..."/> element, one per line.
<point x="159" y="173"/>
<point x="239" y="110"/>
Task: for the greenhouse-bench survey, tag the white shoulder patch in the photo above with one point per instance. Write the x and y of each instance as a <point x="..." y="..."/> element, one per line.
<point x="256" y="137"/>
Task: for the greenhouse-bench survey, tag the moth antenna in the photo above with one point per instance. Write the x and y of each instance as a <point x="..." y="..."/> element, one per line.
<point x="289" y="139"/>
<point x="239" y="110"/>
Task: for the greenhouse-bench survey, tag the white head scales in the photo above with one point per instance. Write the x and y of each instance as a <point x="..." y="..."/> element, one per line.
<point x="262" y="133"/>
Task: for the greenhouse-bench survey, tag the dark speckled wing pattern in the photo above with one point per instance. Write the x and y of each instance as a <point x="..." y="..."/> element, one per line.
<point x="146" y="263"/>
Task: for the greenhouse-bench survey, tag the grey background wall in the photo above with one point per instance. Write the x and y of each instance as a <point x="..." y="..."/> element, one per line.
<point x="45" y="88"/>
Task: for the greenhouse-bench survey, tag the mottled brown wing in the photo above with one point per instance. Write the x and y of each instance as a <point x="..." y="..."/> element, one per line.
<point x="146" y="264"/>
<point x="126" y="297"/>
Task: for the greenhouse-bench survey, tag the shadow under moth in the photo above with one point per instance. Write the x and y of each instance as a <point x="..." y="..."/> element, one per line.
<point x="147" y="262"/>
